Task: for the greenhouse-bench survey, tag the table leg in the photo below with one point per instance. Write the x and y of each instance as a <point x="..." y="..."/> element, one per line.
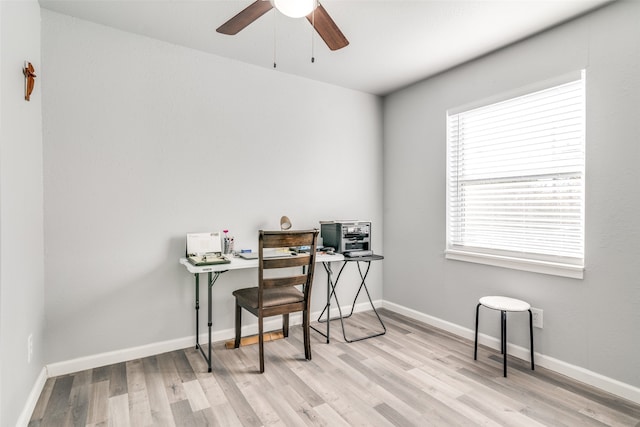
<point x="209" y="315"/>
<point x="329" y="286"/>
<point x="331" y="292"/>
<point x="327" y="307"/>
<point x="213" y="276"/>
<point x="197" y="310"/>
<point x="363" y="284"/>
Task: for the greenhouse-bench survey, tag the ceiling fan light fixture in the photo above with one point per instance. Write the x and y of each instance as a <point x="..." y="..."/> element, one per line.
<point x="295" y="8"/>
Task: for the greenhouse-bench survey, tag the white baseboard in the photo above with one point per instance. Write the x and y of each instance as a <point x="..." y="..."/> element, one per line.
<point x="117" y="356"/>
<point x="586" y="376"/>
<point x="132" y="353"/>
<point x="32" y="399"/>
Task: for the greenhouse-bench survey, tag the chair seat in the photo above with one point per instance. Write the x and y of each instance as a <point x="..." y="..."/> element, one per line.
<point x="271" y="297"/>
<point x="504" y="303"/>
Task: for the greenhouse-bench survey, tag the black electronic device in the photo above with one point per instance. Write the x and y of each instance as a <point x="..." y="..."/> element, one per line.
<point x="358" y="254"/>
<point x="346" y="236"/>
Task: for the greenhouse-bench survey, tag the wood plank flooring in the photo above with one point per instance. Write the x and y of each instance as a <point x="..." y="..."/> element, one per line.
<point x="415" y="375"/>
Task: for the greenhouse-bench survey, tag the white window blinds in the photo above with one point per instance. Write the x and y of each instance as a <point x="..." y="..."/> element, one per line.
<point x="516" y="177"/>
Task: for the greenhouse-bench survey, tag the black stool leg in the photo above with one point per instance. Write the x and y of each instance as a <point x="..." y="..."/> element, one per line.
<point x="531" y="336"/>
<point x="504" y="341"/>
<point x="475" y="350"/>
<point x="501" y="332"/>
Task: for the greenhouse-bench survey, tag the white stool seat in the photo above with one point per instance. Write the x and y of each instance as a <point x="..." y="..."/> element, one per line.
<point x="504" y="303"/>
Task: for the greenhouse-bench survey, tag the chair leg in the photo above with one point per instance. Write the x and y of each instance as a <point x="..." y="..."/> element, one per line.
<point x="261" y="342"/>
<point x="531" y="337"/>
<point x="504" y="341"/>
<point x="306" y="332"/>
<point x="475" y="350"/>
<point x="236" y="344"/>
<point x="285" y="325"/>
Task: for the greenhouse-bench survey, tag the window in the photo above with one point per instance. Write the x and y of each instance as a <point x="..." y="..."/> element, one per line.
<point x="515" y="181"/>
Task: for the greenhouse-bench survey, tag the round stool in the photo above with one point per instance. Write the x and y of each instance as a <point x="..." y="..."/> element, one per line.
<point x="504" y="304"/>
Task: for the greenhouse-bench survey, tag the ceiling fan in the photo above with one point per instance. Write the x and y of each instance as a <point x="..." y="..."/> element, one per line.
<point x="315" y="13"/>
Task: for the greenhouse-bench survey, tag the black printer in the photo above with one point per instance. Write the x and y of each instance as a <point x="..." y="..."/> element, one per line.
<point x="351" y="238"/>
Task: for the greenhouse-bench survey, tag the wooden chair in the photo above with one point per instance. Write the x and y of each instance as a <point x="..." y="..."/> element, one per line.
<point x="277" y="292"/>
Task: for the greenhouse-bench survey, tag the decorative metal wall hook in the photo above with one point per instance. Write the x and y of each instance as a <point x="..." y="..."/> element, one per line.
<point x="29" y="79"/>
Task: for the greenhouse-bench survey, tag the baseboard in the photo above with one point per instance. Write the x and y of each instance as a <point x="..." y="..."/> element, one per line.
<point x="117" y="356"/>
<point x="124" y="355"/>
<point x="578" y="373"/>
<point x="32" y="399"/>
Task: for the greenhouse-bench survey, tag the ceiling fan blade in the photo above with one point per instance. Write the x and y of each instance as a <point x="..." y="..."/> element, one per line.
<point x="252" y="12"/>
<point x="327" y="29"/>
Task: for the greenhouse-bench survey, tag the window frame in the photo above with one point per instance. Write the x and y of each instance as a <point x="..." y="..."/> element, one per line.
<point x="559" y="266"/>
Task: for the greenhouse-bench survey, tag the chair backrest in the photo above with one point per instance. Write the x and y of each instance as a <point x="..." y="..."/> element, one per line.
<point x="283" y="267"/>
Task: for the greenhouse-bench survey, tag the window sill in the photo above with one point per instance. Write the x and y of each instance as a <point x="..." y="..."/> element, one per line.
<point x="544" y="267"/>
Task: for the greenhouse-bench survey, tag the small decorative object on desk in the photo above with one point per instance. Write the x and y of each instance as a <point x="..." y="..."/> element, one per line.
<point x="227" y="243"/>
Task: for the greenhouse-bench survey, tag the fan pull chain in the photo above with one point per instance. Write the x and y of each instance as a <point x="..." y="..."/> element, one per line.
<point x="274" y="36"/>
<point x="313" y="29"/>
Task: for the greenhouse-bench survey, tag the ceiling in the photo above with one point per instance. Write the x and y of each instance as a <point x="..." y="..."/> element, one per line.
<point x="393" y="43"/>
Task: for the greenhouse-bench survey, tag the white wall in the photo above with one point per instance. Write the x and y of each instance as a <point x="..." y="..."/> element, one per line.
<point x="21" y="211"/>
<point x="590" y="323"/>
<point x="145" y="141"/>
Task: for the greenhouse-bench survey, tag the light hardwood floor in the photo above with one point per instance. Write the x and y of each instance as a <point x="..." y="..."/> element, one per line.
<point x="415" y="375"/>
